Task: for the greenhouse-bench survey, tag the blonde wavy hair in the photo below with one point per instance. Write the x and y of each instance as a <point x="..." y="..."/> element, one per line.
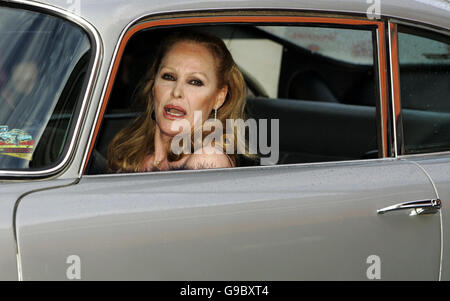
<point x="129" y="148"/>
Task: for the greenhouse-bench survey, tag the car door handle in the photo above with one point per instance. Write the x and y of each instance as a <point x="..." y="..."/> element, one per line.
<point x="420" y="207"/>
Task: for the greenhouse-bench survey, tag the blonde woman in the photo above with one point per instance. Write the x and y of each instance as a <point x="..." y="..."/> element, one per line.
<point x="193" y="74"/>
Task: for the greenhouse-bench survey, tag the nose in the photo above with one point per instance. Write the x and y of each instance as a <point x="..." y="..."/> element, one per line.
<point x="177" y="91"/>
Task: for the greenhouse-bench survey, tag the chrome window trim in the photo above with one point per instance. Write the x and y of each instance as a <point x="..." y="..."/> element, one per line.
<point x="392" y="96"/>
<point x="97" y="47"/>
<point x="279" y="166"/>
<point x="380" y="98"/>
<point x="143" y="17"/>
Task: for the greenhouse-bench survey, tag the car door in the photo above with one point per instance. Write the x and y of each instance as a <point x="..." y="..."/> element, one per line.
<point x="423" y="57"/>
<point x="315" y="222"/>
<point x="297" y="221"/>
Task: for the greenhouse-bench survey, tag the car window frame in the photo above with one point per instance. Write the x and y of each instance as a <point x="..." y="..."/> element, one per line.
<point x="397" y="142"/>
<point x="240" y="16"/>
<point x="80" y="111"/>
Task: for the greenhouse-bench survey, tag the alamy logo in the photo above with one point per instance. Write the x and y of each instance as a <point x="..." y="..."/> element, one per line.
<point x="374" y="270"/>
<point x="73" y="272"/>
<point x="374" y="10"/>
<point x="258" y="133"/>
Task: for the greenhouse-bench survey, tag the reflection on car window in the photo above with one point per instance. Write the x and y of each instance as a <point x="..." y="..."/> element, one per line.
<point x="351" y="46"/>
<point x="324" y="106"/>
<point x="41" y="60"/>
<point x="424" y="60"/>
<point x="421" y="50"/>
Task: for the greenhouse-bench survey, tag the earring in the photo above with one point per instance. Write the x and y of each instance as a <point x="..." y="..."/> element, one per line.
<point x="215" y="114"/>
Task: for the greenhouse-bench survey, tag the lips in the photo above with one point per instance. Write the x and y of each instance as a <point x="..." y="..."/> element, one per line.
<point x="174" y="112"/>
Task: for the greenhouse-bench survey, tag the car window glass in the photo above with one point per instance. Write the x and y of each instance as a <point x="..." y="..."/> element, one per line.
<point x="347" y="45"/>
<point x="424" y="61"/>
<point x="43" y="60"/>
<point x="249" y="52"/>
<point x="324" y="101"/>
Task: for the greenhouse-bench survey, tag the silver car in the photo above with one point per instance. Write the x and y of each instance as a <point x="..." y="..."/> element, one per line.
<point x="357" y="185"/>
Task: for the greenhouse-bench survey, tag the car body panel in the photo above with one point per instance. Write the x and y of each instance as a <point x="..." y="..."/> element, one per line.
<point x="295" y="223"/>
<point x="100" y="12"/>
<point x="11" y="192"/>
<point x="438" y="168"/>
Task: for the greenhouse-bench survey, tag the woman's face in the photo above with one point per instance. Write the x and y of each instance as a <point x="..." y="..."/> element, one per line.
<point x="186" y="82"/>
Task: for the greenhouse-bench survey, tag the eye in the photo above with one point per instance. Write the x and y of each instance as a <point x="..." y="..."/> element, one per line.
<point x="168" y="76"/>
<point x="196" y="82"/>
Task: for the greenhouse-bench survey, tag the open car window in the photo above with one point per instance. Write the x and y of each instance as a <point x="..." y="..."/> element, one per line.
<point x="283" y="62"/>
<point x="324" y="98"/>
<point x="43" y="60"/>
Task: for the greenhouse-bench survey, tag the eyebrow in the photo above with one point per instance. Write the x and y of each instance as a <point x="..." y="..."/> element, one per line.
<point x="195" y="72"/>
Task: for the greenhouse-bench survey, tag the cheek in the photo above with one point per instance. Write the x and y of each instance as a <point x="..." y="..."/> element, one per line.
<point x="201" y="100"/>
<point x="158" y="93"/>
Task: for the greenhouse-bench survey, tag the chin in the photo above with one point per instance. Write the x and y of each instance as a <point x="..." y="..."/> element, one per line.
<point x="174" y="127"/>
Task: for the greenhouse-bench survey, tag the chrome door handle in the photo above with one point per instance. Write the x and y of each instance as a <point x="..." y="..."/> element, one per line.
<point x="420" y="207"/>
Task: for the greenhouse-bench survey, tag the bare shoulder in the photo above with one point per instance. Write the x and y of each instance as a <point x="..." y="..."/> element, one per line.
<point x="208" y="157"/>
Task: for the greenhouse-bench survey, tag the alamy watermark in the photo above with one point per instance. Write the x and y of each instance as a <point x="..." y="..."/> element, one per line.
<point x="234" y="133"/>
<point x="73" y="271"/>
<point x="373" y="272"/>
<point x="374" y="10"/>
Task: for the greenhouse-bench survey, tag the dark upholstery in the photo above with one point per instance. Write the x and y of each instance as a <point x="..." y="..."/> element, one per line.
<point x="310" y="86"/>
<point x="319" y="131"/>
<point x="426" y="131"/>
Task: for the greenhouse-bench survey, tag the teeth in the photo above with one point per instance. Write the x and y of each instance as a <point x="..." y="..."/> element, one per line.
<point x="174" y="112"/>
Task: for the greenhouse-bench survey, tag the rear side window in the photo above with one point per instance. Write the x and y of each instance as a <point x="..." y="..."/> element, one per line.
<point x="43" y="62"/>
<point x="424" y="60"/>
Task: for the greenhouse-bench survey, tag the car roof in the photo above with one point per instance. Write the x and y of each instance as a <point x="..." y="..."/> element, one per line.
<point x="116" y="14"/>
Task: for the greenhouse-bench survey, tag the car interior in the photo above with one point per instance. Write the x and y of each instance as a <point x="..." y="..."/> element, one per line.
<point x="326" y="107"/>
<point x="329" y="103"/>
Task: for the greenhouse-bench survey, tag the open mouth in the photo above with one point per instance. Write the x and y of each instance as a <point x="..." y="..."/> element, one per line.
<point x="172" y="111"/>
